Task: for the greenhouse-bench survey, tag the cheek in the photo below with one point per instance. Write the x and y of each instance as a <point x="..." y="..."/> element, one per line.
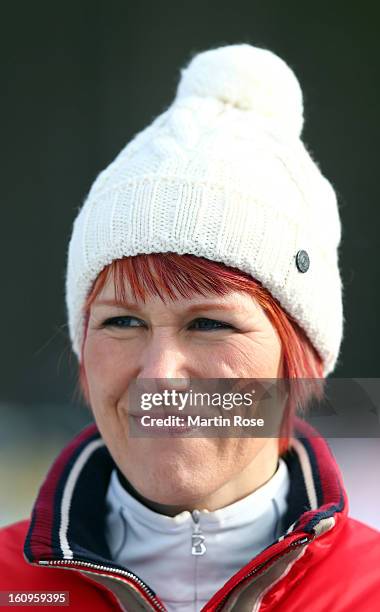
<point x="255" y="355"/>
<point x="107" y="370"/>
<point x="266" y="356"/>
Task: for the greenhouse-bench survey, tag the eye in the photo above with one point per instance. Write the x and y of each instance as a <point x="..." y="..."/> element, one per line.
<point x="121" y="322"/>
<point x="210" y="324"/>
<point x="201" y="324"/>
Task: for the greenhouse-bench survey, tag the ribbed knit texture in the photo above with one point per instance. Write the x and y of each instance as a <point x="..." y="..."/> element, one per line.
<point x="222" y="174"/>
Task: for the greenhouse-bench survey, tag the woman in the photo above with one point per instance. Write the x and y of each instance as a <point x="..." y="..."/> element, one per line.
<point x="207" y="251"/>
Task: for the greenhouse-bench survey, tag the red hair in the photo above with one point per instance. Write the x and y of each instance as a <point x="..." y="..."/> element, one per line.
<point x="161" y="274"/>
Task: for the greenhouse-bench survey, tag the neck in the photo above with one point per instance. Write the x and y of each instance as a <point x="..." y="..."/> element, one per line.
<point x="254" y="476"/>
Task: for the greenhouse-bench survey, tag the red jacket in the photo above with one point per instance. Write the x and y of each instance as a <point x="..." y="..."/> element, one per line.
<point x="326" y="562"/>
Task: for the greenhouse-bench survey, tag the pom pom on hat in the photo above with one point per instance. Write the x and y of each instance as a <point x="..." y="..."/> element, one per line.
<point x="248" y="78"/>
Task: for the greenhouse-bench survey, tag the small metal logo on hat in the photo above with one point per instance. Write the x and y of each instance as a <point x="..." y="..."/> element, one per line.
<point x="302" y="261"/>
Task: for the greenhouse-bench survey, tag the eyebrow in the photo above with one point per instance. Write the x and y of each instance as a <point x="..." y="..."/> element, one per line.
<point x="192" y="308"/>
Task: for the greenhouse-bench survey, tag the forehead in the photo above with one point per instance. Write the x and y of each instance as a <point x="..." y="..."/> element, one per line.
<point x="232" y="300"/>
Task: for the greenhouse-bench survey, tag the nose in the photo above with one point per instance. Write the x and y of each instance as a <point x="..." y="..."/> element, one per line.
<point x="164" y="364"/>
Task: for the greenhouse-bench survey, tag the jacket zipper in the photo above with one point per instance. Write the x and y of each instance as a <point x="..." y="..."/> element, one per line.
<point x="198" y="546"/>
<point x="154" y="601"/>
<point x="269" y="561"/>
<point x="146" y="590"/>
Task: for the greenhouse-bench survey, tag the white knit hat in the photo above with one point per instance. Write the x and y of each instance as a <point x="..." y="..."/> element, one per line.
<point x="222" y="174"/>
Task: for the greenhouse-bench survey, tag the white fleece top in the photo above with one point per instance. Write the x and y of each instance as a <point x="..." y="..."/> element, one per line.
<point x="160" y="549"/>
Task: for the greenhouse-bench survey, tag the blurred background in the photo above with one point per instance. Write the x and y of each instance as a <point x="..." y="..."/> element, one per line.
<point x="79" y="81"/>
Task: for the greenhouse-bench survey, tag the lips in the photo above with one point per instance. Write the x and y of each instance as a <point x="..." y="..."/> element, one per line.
<point x="203" y="412"/>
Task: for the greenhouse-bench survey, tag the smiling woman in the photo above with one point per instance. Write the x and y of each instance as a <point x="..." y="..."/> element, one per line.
<point x="164" y="343"/>
<point x="207" y="251"/>
<point x="244" y="306"/>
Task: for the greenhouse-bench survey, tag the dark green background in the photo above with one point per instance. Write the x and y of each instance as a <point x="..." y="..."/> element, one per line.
<point x="80" y="79"/>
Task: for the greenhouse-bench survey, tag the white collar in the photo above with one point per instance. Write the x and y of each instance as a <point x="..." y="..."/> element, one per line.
<point x="158" y="548"/>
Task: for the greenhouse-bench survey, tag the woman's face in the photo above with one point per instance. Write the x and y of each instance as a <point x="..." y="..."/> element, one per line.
<point x="197" y="338"/>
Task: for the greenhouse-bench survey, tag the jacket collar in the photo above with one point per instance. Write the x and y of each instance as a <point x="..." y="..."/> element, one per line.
<point x="68" y="517"/>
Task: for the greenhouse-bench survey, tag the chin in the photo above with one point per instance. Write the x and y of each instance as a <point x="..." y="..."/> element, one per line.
<point x="176" y="484"/>
<point x="174" y="471"/>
